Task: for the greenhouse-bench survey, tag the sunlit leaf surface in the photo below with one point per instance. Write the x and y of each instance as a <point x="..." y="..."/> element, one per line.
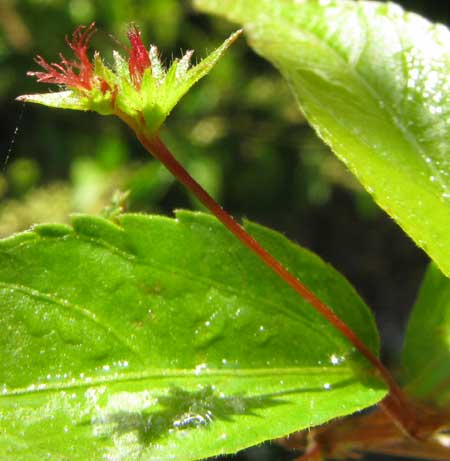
<point x="374" y="82"/>
<point x="158" y="339"/>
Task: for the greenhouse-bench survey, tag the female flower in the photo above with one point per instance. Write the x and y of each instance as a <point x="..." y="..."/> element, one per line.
<point x="64" y="73"/>
<point x="138" y="88"/>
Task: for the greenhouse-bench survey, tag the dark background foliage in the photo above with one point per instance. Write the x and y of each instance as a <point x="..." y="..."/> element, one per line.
<point x="239" y="132"/>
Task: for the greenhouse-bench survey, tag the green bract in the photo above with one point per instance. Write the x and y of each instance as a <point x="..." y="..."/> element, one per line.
<point x="140" y="90"/>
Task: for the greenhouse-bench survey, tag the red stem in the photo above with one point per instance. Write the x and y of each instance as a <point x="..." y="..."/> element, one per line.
<point x="396" y="403"/>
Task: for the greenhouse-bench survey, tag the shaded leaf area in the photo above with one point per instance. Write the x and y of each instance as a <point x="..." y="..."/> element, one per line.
<point x="156" y="338"/>
<point x="426" y="353"/>
<point x="373" y="81"/>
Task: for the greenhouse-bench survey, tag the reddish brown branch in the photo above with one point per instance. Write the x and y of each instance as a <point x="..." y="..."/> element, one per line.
<point x="373" y="432"/>
<point x="396" y="404"/>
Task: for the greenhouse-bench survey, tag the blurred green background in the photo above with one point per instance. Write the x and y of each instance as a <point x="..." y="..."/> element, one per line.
<point x="238" y="131"/>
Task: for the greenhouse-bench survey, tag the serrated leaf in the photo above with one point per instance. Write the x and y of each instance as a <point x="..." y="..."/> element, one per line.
<point x="374" y="82"/>
<point x="426" y="353"/>
<point x="160" y="339"/>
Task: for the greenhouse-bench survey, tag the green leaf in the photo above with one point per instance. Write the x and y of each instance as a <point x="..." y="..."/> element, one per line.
<point x="426" y="353"/>
<point x="160" y="339"/>
<point x="373" y="81"/>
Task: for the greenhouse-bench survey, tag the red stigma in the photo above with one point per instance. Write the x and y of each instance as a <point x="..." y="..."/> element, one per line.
<point x="139" y="59"/>
<point x="73" y="73"/>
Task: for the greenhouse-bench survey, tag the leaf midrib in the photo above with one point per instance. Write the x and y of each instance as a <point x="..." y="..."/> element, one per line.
<point x="163" y="374"/>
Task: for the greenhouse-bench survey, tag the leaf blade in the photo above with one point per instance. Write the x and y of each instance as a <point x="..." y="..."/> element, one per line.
<point x="119" y="347"/>
<point x="372" y="80"/>
<point x="425" y="356"/>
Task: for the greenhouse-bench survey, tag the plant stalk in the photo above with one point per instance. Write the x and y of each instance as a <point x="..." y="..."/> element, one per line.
<point x="396" y="404"/>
